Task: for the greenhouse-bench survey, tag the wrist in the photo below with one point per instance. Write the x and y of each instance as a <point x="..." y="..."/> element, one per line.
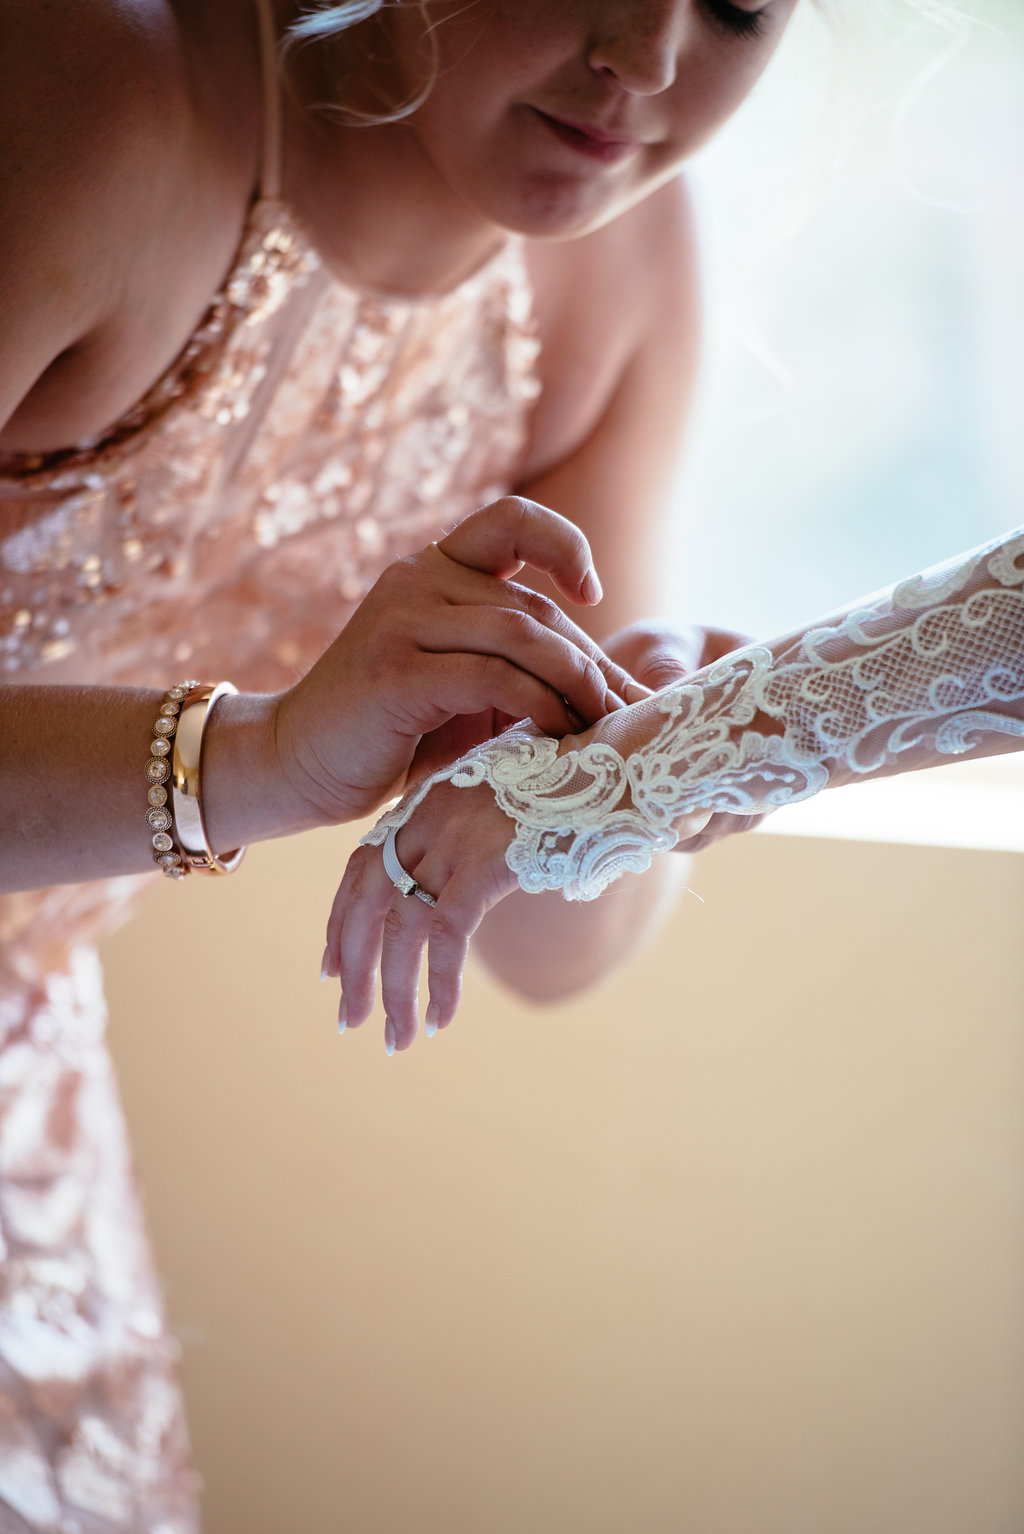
<point x="247" y="794"/>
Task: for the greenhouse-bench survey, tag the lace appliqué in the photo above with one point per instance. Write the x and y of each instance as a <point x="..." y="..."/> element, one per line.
<point x="918" y="673"/>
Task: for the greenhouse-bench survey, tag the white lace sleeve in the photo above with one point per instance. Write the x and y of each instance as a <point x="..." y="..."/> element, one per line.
<point x="931" y="668"/>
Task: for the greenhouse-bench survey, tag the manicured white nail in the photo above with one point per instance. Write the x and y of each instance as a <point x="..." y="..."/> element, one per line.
<point x="430" y="1030"/>
<point x="323" y="965"/>
<point x="430" y="1026"/>
<point x="342" y="1018"/>
<point x="389" y="1036"/>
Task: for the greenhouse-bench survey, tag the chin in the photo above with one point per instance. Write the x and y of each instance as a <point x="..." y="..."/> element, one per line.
<point x="554" y="209"/>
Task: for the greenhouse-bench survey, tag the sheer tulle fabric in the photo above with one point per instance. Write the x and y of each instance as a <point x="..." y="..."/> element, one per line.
<point x="930" y="669"/>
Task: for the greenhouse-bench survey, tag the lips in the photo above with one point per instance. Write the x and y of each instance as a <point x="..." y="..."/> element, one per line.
<point x="596" y="143"/>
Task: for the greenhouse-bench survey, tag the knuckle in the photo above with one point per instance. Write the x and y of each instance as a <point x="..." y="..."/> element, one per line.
<point x="393" y="924"/>
<point x="511" y="621"/>
<point x="516" y="506"/>
<point x="520" y="513"/>
<point x="394" y="575"/>
<point x="446" y="927"/>
<point x="590" y="672"/>
<point x="358" y="872"/>
<point x="492" y="669"/>
<point x="541" y="608"/>
<point x="409" y="576"/>
<point x="507" y="509"/>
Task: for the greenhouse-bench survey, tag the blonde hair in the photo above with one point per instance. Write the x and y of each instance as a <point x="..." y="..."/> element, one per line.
<point x="326" y="20"/>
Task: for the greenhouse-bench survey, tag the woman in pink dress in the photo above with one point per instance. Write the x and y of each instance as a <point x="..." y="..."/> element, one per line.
<point x="283" y="299"/>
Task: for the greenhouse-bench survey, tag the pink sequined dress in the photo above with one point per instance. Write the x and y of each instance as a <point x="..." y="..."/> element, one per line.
<point x="225" y="526"/>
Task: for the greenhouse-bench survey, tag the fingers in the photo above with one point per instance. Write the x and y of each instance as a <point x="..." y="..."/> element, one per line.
<point x="620" y="680"/>
<point x="503" y="537"/>
<point x="354" y="933"/>
<point x="406" y="926"/>
<point x="469" y="684"/>
<point x="451" y="929"/>
<point x="372" y="923"/>
<point x="664" y="664"/>
<point x="444" y="930"/>
<point x="553" y="656"/>
<point x="482" y="614"/>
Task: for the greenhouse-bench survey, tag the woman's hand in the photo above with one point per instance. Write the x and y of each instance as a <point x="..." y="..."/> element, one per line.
<point x="661" y="655"/>
<point x="445" y="635"/>
<point x="454" y="847"/>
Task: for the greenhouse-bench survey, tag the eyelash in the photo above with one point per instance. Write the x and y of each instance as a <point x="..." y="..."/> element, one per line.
<point x="732" y="19"/>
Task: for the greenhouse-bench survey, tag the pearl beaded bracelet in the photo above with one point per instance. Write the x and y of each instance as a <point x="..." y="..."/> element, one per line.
<point x="158" y="769"/>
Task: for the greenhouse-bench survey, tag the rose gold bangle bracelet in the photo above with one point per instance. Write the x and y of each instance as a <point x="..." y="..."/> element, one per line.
<point x="197" y="856"/>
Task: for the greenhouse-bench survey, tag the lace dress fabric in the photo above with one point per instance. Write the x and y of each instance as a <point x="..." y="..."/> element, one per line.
<point x="930" y="669"/>
<point x="226" y="526"/>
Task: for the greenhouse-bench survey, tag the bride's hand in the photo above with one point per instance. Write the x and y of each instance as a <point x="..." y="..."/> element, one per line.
<point x="446" y="633"/>
<point x="660" y="655"/>
<point x="454" y="846"/>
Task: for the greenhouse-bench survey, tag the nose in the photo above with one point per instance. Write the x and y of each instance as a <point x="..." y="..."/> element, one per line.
<point x="638" y="43"/>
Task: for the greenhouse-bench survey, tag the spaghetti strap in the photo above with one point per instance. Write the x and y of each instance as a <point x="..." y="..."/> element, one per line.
<point x="270" y="156"/>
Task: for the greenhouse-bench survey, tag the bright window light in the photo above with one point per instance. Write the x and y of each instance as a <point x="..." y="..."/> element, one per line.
<point x="862" y="223"/>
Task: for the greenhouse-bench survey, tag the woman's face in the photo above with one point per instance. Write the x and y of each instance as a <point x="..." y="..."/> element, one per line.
<point x="551" y="117"/>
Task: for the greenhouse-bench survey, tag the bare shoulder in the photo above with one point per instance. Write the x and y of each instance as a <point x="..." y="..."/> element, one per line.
<point x="90" y="90"/>
<point x="99" y="141"/>
<point x="626" y="292"/>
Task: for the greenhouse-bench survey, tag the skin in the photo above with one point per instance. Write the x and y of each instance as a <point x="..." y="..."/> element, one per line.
<point x="87" y="328"/>
<point x="130" y="138"/>
<point x="427" y="657"/>
<point x="665" y="72"/>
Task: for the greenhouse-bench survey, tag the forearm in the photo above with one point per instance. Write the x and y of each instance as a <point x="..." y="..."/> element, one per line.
<point x="911" y="677"/>
<point x="928" y="670"/>
<point x="73" y="787"/>
<point x="547" y="949"/>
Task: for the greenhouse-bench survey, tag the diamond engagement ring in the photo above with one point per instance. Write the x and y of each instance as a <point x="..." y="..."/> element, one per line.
<point x="403" y="882"/>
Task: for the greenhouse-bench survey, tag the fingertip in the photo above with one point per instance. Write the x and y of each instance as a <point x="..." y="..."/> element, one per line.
<point x="440" y="1012"/>
<point x="591" y="588"/>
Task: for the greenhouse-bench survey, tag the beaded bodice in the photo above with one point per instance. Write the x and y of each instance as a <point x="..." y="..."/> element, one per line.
<point x="231" y="520"/>
<point x="225" y="526"/>
<point x="306" y="434"/>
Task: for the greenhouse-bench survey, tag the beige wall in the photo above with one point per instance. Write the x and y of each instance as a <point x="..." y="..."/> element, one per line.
<point x="736" y="1248"/>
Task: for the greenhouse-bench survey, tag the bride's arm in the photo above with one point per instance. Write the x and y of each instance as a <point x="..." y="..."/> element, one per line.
<point x="931" y="669"/>
<point x="546" y="948"/>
